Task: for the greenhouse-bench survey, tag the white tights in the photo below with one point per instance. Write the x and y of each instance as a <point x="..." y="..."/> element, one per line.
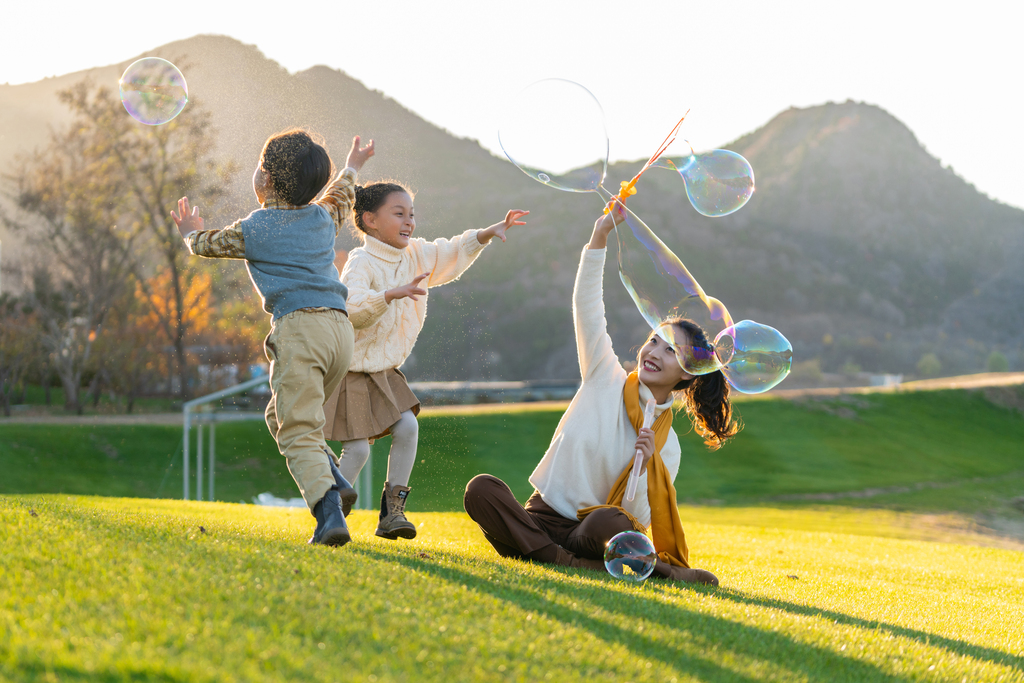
<point x="404" y="437"/>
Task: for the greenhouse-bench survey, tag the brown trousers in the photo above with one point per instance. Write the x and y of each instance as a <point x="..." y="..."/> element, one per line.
<point x="529" y="533"/>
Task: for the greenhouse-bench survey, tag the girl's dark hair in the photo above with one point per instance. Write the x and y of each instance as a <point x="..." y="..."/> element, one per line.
<point x="706" y="397"/>
<point x="298" y="166"/>
<point x="371" y="198"/>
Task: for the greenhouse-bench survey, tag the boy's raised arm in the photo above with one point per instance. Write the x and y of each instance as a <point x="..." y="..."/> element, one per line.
<point x="226" y="243"/>
<point x="341" y="194"/>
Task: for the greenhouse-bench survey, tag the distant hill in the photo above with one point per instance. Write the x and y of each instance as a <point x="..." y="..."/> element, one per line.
<point x="857" y="244"/>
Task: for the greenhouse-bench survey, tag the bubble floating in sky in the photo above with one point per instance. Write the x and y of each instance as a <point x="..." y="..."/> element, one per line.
<point x="555" y="133"/>
<point x="718" y="182"/>
<point x="630" y="556"/>
<point x="153" y="91"/>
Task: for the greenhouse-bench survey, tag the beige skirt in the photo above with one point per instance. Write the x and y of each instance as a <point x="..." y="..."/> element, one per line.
<point x="365" y="406"/>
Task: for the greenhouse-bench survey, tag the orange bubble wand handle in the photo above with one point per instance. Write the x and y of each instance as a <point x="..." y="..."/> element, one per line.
<point x="628" y="189"/>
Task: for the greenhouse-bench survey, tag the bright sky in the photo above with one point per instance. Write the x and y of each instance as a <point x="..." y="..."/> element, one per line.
<point x="952" y="75"/>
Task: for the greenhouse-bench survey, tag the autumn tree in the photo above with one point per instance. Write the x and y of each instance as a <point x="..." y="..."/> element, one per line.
<point x="69" y="200"/>
<point x="19" y="346"/>
<point x="142" y="170"/>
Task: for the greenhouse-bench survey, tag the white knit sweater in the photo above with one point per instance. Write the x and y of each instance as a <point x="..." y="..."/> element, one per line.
<point x="595" y="440"/>
<point x="386" y="333"/>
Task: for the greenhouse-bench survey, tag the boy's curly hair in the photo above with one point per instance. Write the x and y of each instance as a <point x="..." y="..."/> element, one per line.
<point x="297" y="165"/>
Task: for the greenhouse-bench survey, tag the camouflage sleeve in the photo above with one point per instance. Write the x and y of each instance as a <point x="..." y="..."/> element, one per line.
<point x="339" y="197"/>
<point x="227" y="242"/>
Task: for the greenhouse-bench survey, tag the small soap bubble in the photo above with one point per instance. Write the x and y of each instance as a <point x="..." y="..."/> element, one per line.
<point x="630" y="556"/>
<point x="718" y="182"/>
<point x="153" y="91"/>
<point x="755" y="357"/>
<point x="555" y="134"/>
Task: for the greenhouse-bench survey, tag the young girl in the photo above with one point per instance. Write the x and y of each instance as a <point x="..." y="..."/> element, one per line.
<point x="387" y="280"/>
<point x="579" y="504"/>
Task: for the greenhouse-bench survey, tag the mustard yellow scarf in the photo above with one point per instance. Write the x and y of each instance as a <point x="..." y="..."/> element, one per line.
<point x="666" y="527"/>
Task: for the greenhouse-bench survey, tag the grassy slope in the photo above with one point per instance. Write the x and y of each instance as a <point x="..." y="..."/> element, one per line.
<point x="955" y="438"/>
<point x="112" y="590"/>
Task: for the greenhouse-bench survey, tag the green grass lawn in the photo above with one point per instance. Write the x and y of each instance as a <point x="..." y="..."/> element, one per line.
<point x="972" y="448"/>
<point x="105" y="589"/>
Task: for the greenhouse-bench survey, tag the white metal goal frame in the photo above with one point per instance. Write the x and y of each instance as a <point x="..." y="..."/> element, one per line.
<point x="193" y="412"/>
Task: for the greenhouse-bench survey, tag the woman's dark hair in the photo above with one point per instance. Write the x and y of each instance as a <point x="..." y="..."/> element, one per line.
<point x="371" y="198"/>
<point x="298" y="166"/>
<point x="706" y="397"/>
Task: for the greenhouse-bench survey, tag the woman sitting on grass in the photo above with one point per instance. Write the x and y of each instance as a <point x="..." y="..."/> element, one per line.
<point x="579" y="504"/>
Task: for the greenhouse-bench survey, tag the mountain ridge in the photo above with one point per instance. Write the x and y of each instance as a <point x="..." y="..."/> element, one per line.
<point x="857" y="244"/>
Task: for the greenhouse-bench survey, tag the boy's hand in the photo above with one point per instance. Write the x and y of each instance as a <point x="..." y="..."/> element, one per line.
<point x="187" y="219"/>
<point x="357" y="156"/>
<point x="410" y="290"/>
<point x="498" y="229"/>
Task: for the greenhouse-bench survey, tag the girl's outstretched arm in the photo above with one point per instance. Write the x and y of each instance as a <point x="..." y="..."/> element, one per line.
<point x="498" y="229"/>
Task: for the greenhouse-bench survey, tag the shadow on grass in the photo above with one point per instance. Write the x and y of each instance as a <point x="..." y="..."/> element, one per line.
<point x="36" y="670"/>
<point x="951" y="645"/>
<point x="711" y="633"/>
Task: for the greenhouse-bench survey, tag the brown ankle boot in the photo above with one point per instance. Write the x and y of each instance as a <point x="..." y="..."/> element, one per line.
<point x="392" y="523"/>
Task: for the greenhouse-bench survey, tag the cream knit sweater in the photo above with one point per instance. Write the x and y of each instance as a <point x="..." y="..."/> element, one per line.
<point x="386" y="333"/>
<point x="595" y="440"/>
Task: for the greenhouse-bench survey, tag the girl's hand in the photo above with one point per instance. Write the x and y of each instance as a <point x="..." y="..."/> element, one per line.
<point x="410" y="290"/>
<point x="357" y="156"/>
<point x="498" y="229"/>
<point x="188" y="220"/>
<point x="604" y="225"/>
<point x="645" y="444"/>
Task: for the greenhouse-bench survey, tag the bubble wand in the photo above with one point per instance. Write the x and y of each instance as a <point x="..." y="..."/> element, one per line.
<point x="629" y="188"/>
<point x="638" y="459"/>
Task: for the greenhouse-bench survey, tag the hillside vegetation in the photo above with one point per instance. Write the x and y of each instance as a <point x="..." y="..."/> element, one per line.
<point x="858" y="244"/>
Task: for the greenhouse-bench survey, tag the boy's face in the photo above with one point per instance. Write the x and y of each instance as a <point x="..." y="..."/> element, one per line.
<point x="393" y="223"/>
<point x="261" y="183"/>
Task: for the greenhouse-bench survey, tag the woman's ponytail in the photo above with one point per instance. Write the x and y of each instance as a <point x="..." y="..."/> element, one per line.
<point x="706" y="399"/>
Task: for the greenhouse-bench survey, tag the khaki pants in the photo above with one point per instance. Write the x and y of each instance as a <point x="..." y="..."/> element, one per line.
<point x="309" y="353"/>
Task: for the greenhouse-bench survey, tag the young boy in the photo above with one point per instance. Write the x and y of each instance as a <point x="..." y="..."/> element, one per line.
<point x="288" y="247"/>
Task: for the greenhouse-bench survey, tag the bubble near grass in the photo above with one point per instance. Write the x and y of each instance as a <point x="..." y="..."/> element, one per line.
<point x="555" y="133"/>
<point x="630" y="556"/>
<point x="153" y="91"/>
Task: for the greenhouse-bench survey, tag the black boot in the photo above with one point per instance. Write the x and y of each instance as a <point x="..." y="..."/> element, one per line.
<point x="345" y="490"/>
<point x="330" y="521"/>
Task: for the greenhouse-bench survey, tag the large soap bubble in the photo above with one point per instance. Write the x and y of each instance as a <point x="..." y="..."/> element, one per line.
<point x="718" y="182"/>
<point x="153" y="91"/>
<point x="754" y="357"/>
<point x="555" y="134"/>
<point x="630" y="556"/>
<point x="663" y="288"/>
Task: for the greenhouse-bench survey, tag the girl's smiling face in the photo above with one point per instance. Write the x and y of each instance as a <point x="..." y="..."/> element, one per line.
<point x="659" y="364"/>
<point x="394" y="222"/>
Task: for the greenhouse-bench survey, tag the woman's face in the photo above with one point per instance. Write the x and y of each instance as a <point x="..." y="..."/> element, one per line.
<point x="394" y="222"/>
<point x="659" y="363"/>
